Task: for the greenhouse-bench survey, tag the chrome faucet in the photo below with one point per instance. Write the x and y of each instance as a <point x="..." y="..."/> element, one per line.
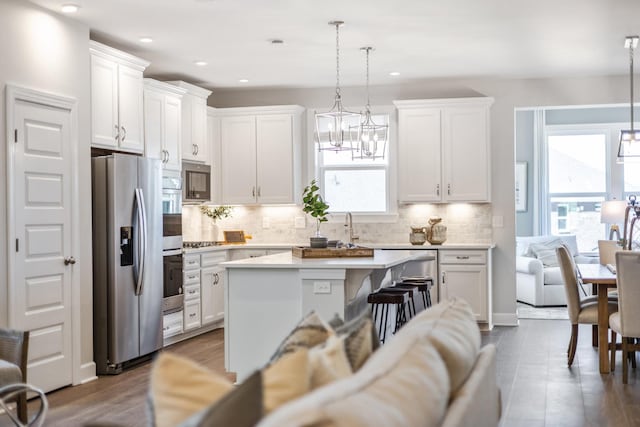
<point x="348" y="223"/>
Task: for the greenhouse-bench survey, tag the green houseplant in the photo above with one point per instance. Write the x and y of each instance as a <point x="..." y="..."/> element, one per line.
<point x="317" y="208"/>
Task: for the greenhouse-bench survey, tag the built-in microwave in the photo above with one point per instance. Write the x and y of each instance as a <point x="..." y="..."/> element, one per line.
<point x="196" y="182"/>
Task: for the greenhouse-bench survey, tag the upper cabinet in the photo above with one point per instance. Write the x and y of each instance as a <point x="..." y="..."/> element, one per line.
<point x="194" y="123"/>
<point x="162" y="123"/>
<point x="116" y="99"/>
<point x="213" y="141"/>
<point x="444" y="150"/>
<point x="260" y="154"/>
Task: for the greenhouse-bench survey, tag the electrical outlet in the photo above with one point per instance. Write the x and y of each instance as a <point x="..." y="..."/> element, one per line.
<point x="321" y="287"/>
<point x="266" y="222"/>
<point x="300" y="222"/>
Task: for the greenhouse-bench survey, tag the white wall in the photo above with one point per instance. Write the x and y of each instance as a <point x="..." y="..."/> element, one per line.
<point x="508" y="95"/>
<point x="48" y="52"/>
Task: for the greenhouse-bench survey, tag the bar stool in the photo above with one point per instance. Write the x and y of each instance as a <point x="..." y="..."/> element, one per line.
<point x="409" y="290"/>
<point x="381" y="301"/>
<point x="423" y="285"/>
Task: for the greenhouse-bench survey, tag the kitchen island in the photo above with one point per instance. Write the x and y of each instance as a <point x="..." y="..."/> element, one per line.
<point x="265" y="297"/>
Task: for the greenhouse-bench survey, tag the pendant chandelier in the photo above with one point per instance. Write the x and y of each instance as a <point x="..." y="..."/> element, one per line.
<point x="629" y="148"/>
<point x="332" y="128"/>
<point x="371" y="137"/>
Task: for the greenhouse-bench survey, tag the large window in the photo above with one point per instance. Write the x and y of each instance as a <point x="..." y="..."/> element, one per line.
<point x="578" y="170"/>
<point x="358" y="186"/>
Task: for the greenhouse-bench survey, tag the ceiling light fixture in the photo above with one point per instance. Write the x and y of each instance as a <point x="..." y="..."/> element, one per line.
<point x="145" y="40"/>
<point x="332" y="127"/>
<point x="70" y="8"/>
<point x="394" y="73"/>
<point x="243" y="81"/>
<point x="629" y="148"/>
<point x="200" y="63"/>
<point x="372" y="137"/>
<point x="276" y="41"/>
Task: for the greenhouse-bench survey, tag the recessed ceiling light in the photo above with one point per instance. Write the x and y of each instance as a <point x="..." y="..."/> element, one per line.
<point x="70" y="8"/>
<point x="200" y="63"/>
<point x="145" y="39"/>
<point x="394" y="73"/>
<point x="243" y="81"/>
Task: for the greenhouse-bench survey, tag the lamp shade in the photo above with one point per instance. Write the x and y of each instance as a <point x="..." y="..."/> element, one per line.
<point x="612" y="211"/>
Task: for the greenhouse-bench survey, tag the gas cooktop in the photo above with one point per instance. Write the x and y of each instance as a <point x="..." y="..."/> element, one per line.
<point x="191" y="245"/>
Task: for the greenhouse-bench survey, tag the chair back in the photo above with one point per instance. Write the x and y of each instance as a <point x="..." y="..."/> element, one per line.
<point x="568" y="270"/>
<point x="628" y="281"/>
<point x="607" y="251"/>
<point x="14" y="346"/>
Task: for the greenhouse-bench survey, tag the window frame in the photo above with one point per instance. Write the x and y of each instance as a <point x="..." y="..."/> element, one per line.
<point x="315" y="170"/>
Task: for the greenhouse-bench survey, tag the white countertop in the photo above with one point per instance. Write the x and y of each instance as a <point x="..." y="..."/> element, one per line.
<point x="407" y="246"/>
<point x="381" y="259"/>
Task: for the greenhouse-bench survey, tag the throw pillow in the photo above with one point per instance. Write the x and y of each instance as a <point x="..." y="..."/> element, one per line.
<point x="329" y="362"/>
<point x="546" y="252"/>
<point x="180" y="387"/>
<point x="286" y="379"/>
<point x="308" y="333"/>
<point x="361" y="338"/>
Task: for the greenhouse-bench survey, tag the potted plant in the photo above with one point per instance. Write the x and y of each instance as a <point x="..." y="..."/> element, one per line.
<point x="317" y="208"/>
<point x="215" y="213"/>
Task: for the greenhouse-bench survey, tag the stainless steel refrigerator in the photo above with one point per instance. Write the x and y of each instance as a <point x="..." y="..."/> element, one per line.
<point x="127" y="260"/>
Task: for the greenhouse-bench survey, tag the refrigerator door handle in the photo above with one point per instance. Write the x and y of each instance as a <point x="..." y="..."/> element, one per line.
<point x="142" y="239"/>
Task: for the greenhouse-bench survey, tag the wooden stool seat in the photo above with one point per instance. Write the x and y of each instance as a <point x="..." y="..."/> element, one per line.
<point x="380" y="302"/>
<point x="423" y="286"/>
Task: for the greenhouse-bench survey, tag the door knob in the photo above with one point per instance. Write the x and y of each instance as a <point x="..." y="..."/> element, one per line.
<point x="70" y="260"/>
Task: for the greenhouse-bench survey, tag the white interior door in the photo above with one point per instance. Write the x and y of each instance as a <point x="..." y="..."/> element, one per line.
<point x="40" y="292"/>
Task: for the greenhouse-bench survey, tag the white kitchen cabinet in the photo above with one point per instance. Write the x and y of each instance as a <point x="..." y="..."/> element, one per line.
<point x="116" y="99"/>
<point x="212" y="287"/>
<point x="260" y="155"/>
<point x="467" y="274"/>
<point x="162" y="123"/>
<point x="195" y="147"/>
<point x="444" y="150"/>
<point x="213" y="140"/>
<point x="192" y="314"/>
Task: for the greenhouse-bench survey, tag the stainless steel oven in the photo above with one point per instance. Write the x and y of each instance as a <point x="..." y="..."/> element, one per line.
<point x="171" y="210"/>
<point x="172" y="284"/>
<point x="197" y="182"/>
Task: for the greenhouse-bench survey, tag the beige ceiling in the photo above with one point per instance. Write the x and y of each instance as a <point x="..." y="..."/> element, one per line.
<point x="421" y="39"/>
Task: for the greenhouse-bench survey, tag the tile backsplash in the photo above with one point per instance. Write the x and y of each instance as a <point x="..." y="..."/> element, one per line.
<point x="466" y="223"/>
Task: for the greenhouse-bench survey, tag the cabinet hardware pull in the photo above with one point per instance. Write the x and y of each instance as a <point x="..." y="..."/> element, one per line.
<point x="125" y="133"/>
<point x="253" y="191"/>
<point x="444" y="277"/>
<point x="193" y="149"/>
<point x="437" y="189"/>
<point x="449" y="189"/>
<point x="197" y="150"/>
<point x="192" y="315"/>
<point x="70" y="260"/>
<point x="117" y="137"/>
<point x="259" y="193"/>
<point x="462" y="257"/>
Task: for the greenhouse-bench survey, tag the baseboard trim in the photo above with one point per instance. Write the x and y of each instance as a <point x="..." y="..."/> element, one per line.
<point x="88" y="373"/>
<point x="505" y="319"/>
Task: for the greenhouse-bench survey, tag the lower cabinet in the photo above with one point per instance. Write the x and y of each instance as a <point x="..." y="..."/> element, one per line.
<point x="465" y="274"/>
<point x="172" y="324"/>
<point x="212" y="287"/>
<point x="192" y="314"/>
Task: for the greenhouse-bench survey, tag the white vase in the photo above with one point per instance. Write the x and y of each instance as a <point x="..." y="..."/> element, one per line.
<point x="209" y="230"/>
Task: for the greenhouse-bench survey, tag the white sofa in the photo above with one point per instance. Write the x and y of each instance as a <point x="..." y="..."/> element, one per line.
<point x="536" y="284"/>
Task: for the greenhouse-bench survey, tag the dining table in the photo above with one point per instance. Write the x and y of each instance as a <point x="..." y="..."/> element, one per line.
<point x="603" y="278"/>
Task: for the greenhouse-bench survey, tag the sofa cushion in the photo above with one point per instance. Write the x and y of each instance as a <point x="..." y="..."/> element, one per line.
<point x="329" y="362"/>
<point x="546" y="251"/>
<point x="361" y="337"/>
<point x="523" y="243"/>
<point x="308" y="333"/>
<point x="553" y="276"/>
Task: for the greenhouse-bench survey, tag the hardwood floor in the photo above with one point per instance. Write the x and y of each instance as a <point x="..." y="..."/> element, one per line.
<point x="537" y="387"/>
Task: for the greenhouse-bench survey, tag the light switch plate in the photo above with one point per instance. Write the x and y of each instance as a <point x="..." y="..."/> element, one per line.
<point x="321" y="287"/>
<point x="300" y="222"/>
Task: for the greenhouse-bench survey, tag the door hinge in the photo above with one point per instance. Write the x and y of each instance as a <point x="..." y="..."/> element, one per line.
<point x="17" y="245"/>
<point x="15" y="135"/>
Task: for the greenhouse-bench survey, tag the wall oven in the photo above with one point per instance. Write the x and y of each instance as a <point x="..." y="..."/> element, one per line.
<point x="171" y="210"/>
<point x="197" y="182"/>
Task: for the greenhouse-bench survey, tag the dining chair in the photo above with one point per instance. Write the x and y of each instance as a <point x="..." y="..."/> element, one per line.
<point x="580" y="311"/>
<point x="626" y="321"/>
<point x="14" y="346"/>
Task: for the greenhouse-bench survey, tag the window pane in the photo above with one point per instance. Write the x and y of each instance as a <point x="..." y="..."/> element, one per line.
<point x="579" y="216"/>
<point x="632" y="178"/>
<point x="355" y="190"/>
<point x="577" y="164"/>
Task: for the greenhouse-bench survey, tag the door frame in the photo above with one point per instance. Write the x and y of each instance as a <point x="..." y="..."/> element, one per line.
<point x="16" y="93"/>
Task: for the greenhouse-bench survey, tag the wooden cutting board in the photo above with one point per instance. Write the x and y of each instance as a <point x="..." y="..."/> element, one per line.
<point x="307" y="252"/>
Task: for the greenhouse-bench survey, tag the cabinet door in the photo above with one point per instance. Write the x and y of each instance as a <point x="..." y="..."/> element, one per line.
<point x="188" y="149"/>
<point x="238" y="157"/>
<point x="468" y="282"/>
<point x="199" y="129"/>
<point x="274" y="154"/>
<point x="192" y="314"/>
<point x="172" y="133"/>
<point x="419" y="160"/>
<point x="207" y="277"/>
<point x="104" y="102"/>
<point x="466" y="154"/>
<point x="130" y="109"/>
<point x="153" y="120"/>
<point x="213" y="139"/>
<point x="218" y="294"/>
